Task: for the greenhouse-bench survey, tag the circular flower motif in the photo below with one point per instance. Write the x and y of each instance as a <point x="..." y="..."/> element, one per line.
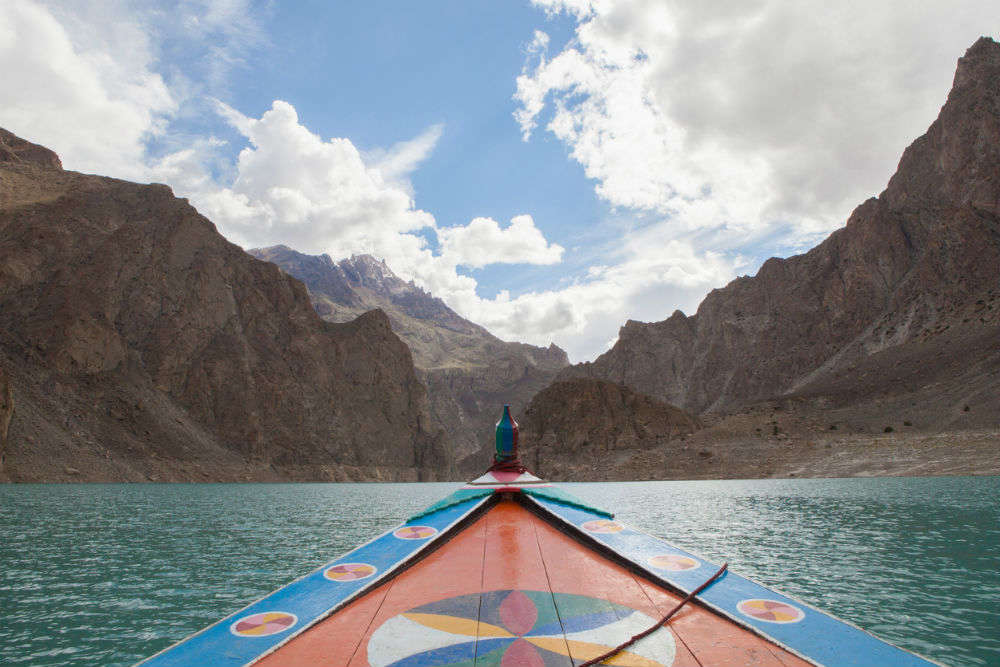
<point x="603" y="526"/>
<point x="673" y="562"/>
<point x="414" y="532"/>
<point x="263" y="624"/>
<point x="349" y="571"/>
<point x="513" y="628"/>
<point x="771" y="611"/>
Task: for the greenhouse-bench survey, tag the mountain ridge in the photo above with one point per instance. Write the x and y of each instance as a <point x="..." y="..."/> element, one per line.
<point x="877" y="352"/>
<point x="136" y="343"/>
<point x="469" y="373"/>
<point x="918" y="260"/>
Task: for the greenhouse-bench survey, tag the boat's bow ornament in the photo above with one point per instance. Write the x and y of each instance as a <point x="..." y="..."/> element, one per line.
<point x="512" y="570"/>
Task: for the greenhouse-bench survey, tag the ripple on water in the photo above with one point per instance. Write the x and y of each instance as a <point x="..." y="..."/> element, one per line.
<point x="108" y="574"/>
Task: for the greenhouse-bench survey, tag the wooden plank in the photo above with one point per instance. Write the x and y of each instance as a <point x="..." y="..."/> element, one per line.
<point x="574" y="570"/>
<point x="517" y="596"/>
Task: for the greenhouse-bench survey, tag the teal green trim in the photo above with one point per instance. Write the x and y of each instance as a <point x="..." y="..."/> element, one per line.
<point x="556" y="494"/>
<point x="457" y="497"/>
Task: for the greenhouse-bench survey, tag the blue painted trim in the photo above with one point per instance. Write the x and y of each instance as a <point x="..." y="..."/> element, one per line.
<point x="311" y="598"/>
<point x="818" y="637"/>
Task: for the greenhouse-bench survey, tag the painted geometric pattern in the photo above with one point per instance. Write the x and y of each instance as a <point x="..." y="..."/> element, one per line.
<point x="602" y="526"/>
<point x="415" y="532"/>
<point x="673" y="562"/>
<point x="505" y="477"/>
<point x="513" y="628"/>
<point x="772" y="611"/>
<point x="262" y="625"/>
<point x="349" y="571"/>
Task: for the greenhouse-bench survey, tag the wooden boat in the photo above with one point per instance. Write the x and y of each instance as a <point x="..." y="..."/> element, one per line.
<point x="512" y="571"/>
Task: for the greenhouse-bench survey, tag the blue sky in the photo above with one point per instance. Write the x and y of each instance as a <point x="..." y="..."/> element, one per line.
<point x="549" y="168"/>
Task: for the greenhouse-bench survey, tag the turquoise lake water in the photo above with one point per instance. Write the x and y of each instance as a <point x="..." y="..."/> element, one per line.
<point x="108" y="574"/>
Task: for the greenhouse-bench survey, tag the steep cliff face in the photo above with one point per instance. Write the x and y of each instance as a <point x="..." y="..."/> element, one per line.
<point x="141" y="344"/>
<point x="918" y="267"/>
<point x="584" y="429"/>
<point x="470" y="373"/>
<point x="6" y="413"/>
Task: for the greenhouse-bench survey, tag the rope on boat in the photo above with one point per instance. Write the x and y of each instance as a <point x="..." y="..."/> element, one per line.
<point x="621" y="647"/>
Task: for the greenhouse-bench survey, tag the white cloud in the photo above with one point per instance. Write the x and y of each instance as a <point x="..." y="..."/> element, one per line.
<point x="746" y="116"/>
<point x="396" y="164"/>
<point x="317" y="196"/>
<point x="99" y="82"/>
<point x="581" y="316"/>
<point x="482" y="242"/>
<point x="97" y="111"/>
<point x="324" y="196"/>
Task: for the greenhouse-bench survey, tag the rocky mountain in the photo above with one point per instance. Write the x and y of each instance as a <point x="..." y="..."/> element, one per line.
<point x="137" y="343"/>
<point x="581" y="429"/>
<point x="895" y="313"/>
<point x="469" y="372"/>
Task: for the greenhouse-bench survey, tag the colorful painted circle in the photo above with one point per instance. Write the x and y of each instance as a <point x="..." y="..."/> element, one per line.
<point x="263" y="624"/>
<point x="414" y="532"/>
<point x="673" y="562"/>
<point x="603" y="526"/>
<point x="513" y="627"/>
<point x="349" y="571"/>
<point x="771" y="611"/>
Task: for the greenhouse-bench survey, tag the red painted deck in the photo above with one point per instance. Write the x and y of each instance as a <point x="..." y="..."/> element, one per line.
<point x="511" y="590"/>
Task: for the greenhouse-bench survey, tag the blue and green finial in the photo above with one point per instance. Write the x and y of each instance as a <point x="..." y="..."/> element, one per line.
<point x="506" y="438"/>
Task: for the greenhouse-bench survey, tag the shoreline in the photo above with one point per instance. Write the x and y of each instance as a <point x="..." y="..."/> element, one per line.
<point x="715" y="453"/>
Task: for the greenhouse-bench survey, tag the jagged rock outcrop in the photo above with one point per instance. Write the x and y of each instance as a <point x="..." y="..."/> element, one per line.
<point x="16" y="149"/>
<point x="143" y="345"/>
<point x="917" y="268"/>
<point x="592" y="429"/>
<point x="470" y="373"/>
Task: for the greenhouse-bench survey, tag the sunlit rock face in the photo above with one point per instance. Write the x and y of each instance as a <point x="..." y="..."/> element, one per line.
<point x="881" y="307"/>
<point x="140" y="344"/>
<point x="469" y="373"/>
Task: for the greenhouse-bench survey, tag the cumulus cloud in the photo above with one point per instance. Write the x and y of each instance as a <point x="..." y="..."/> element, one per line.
<point x="482" y="242"/>
<point x="95" y="110"/>
<point x="317" y="196"/>
<point x="745" y="116"/>
<point x="90" y="81"/>
<point x="582" y="315"/>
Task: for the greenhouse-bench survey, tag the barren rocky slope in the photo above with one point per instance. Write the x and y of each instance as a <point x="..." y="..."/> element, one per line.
<point x="139" y="344"/>
<point x="882" y="339"/>
<point x="470" y="373"/>
<point x="919" y="262"/>
<point x="583" y="428"/>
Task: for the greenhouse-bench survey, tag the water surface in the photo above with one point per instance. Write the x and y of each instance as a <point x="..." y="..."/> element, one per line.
<point x="108" y="574"/>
